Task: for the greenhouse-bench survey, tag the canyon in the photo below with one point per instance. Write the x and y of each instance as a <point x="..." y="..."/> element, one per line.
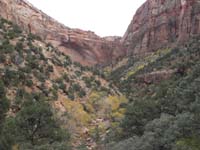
<point x="156" y="24"/>
<point x="139" y="91"/>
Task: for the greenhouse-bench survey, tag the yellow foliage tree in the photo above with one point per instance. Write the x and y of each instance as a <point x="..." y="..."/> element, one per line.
<point x="76" y="112"/>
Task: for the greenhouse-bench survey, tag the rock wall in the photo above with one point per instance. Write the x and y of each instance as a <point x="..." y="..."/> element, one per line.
<point x="156" y="24"/>
<point x="83" y="46"/>
<point x="162" y="23"/>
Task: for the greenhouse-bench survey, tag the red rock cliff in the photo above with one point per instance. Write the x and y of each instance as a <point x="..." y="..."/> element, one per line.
<point x="83" y="46"/>
<point x="162" y="23"/>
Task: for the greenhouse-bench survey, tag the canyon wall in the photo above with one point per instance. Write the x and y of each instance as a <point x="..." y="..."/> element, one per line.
<point x="83" y="46"/>
<point x="162" y="23"/>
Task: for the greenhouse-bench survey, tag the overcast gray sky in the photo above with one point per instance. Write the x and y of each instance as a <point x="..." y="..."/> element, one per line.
<point x="104" y="17"/>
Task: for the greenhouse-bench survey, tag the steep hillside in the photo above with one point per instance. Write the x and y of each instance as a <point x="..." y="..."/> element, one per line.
<point x="42" y="89"/>
<point x="82" y="46"/>
<point x="156" y="28"/>
<point x="163" y="109"/>
<point x="160" y="77"/>
<point x="162" y="23"/>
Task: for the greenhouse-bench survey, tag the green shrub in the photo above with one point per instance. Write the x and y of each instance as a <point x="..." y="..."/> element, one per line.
<point x="16" y="29"/>
<point x="7" y="47"/>
<point x="55" y="94"/>
<point x="50" y="68"/>
<point x="32" y="37"/>
<point x="29" y="83"/>
<point x="81" y="93"/>
<point x="2" y="58"/>
<point x="71" y="95"/>
<point x="65" y="77"/>
<point x="34" y="126"/>
<point x="76" y="87"/>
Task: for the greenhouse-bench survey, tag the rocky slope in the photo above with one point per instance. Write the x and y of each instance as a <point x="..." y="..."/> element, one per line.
<point x="82" y="101"/>
<point x="83" y="46"/>
<point x="162" y="23"/>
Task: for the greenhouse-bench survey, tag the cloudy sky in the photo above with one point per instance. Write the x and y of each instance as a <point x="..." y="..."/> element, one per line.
<point x="104" y="17"/>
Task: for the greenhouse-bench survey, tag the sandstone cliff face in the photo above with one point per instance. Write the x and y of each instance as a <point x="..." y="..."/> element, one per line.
<point x="162" y="23"/>
<point x="83" y="46"/>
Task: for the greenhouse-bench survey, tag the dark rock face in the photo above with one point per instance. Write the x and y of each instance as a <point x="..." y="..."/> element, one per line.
<point x="162" y="23"/>
<point x="83" y="46"/>
<point x="155" y="77"/>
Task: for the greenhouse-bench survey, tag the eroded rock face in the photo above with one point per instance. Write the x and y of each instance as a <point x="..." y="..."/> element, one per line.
<point x="162" y="23"/>
<point x="83" y="46"/>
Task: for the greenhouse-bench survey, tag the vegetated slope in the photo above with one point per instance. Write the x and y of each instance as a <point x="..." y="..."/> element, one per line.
<point x="159" y="80"/>
<point x="158" y="25"/>
<point x="45" y="97"/>
<point x="163" y="112"/>
<point x="84" y="47"/>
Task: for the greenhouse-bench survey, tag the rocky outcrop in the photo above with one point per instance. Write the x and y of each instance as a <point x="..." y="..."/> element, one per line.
<point x="155" y="77"/>
<point x="83" y="46"/>
<point x="162" y="23"/>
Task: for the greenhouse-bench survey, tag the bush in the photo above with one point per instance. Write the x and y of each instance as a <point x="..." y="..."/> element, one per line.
<point x="76" y="87"/>
<point x="50" y="68"/>
<point x="62" y="86"/>
<point x="32" y="37"/>
<point x="29" y="83"/>
<point x="78" y="73"/>
<point x="4" y="103"/>
<point x="34" y="126"/>
<point x="67" y="61"/>
<point x="88" y="81"/>
<point x="81" y="93"/>
<point x="11" y="77"/>
<point x="71" y="95"/>
<point x="16" y="29"/>
<point x="55" y="94"/>
<point x="65" y="77"/>
<point x="7" y="47"/>
<point x="19" y="46"/>
<point x="2" y="58"/>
